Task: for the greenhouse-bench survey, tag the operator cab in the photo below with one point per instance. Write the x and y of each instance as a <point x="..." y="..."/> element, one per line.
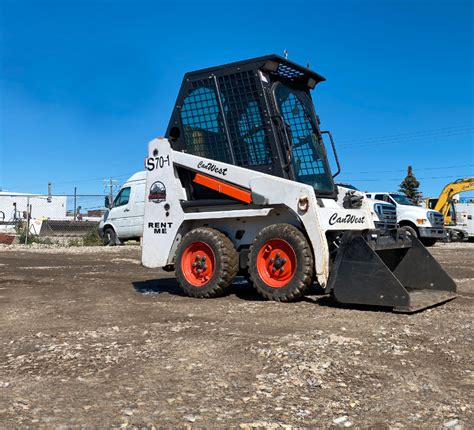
<point x="256" y="114"/>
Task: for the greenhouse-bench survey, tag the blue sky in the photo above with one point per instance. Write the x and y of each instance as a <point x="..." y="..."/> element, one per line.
<point x="86" y="84"/>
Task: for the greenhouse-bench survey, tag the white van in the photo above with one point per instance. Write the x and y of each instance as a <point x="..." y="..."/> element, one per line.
<point x="124" y="219"/>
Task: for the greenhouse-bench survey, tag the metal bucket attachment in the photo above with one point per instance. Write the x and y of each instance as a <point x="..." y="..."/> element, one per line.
<point x="392" y="270"/>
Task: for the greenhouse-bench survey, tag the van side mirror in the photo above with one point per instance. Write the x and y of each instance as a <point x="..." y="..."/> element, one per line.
<point x="107" y="202"/>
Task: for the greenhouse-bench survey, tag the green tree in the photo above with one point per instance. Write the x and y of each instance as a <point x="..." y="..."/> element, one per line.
<point x="409" y="187"/>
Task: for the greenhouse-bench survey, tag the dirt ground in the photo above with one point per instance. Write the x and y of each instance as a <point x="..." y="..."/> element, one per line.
<point x="91" y="339"/>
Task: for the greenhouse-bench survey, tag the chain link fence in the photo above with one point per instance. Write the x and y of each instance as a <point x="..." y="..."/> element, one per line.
<point x="27" y="218"/>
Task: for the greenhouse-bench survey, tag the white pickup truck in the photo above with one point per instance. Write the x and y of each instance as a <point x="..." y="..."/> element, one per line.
<point x="426" y="224"/>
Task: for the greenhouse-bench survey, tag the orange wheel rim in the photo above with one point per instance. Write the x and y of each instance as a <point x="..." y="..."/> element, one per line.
<point x="198" y="263"/>
<point x="276" y="263"/>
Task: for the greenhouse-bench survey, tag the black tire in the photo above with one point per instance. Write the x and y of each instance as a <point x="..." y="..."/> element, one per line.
<point x="410" y="230"/>
<point x="225" y="264"/>
<point x="110" y="237"/>
<point x="428" y="241"/>
<point x="260" y="260"/>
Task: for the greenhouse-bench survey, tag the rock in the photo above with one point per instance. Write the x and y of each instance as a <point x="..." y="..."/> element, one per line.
<point x="340" y="420"/>
<point x="128" y="412"/>
<point x="190" y="418"/>
<point x="451" y="423"/>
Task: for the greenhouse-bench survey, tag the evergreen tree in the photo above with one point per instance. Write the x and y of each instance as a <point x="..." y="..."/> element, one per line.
<point x="409" y="187"/>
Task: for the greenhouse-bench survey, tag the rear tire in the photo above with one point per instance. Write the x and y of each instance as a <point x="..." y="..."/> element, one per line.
<point x="110" y="237"/>
<point x="281" y="263"/>
<point x="206" y="263"/>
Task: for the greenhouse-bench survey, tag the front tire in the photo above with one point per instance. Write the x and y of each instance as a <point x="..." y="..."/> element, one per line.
<point x="410" y="230"/>
<point x="206" y="263"/>
<point x="110" y="237"/>
<point x="281" y="263"/>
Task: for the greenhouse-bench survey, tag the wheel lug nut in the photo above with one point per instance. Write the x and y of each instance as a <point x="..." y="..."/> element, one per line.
<point x="203" y="258"/>
<point x="278" y="255"/>
<point x="194" y="264"/>
<point x="283" y="261"/>
<point x="274" y="270"/>
<point x="272" y="261"/>
<point x="204" y="267"/>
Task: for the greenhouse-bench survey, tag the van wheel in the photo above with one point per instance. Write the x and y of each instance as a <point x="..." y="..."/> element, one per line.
<point x="281" y="263"/>
<point x="110" y="237"/>
<point x="206" y="263"/>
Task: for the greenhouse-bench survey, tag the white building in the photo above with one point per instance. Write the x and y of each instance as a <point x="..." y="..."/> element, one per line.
<point x="14" y="205"/>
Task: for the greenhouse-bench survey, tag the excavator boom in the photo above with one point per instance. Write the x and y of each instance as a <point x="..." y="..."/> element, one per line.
<point x="444" y="200"/>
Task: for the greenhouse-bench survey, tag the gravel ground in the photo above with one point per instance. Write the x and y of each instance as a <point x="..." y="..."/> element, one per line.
<point x="89" y="338"/>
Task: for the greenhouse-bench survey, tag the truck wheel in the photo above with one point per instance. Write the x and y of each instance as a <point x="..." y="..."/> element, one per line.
<point x="206" y="263"/>
<point x="110" y="237"/>
<point x="281" y="263"/>
<point x="410" y="230"/>
<point x="428" y="241"/>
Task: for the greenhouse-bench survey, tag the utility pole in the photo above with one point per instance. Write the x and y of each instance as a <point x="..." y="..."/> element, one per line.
<point x="49" y="199"/>
<point x="109" y="189"/>
<point x="75" y="198"/>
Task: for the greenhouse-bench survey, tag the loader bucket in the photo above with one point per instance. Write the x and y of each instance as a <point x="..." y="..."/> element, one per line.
<point x="392" y="270"/>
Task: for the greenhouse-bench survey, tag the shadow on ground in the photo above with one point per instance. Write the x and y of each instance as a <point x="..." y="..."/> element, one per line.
<point x="243" y="290"/>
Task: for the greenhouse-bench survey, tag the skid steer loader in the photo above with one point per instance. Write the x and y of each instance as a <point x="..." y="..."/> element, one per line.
<point x="241" y="184"/>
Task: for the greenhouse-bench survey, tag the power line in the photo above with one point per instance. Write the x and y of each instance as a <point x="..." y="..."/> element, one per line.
<point x="408" y="134"/>
<point x="411" y="140"/>
<point x="399" y="179"/>
<point x="417" y="169"/>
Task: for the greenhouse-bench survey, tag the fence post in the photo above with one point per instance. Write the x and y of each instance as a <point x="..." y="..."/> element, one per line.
<point x="75" y="196"/>
<point x="27" y="219"/>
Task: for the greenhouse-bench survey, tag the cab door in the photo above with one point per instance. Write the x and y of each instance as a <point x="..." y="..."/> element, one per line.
<point x="119" y="214"/>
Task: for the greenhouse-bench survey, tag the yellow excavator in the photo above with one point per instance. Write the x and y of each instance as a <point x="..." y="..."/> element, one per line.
<point x="445" y="202"/>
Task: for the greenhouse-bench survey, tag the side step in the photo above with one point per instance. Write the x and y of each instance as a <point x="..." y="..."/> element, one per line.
<point x="392" y="270"/>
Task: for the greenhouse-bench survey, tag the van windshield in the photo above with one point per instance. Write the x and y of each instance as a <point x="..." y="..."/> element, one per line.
<point x="308" y="156"/>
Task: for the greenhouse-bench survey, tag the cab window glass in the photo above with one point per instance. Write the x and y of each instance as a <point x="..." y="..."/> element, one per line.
<point x="122" y="197"/>
<point x="379" y="197"/>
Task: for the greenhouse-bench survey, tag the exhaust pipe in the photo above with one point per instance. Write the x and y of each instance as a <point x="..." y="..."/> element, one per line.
<point x="392" y="270"/>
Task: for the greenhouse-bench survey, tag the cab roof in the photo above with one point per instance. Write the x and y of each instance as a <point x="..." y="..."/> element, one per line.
<point x="272" y="63"/>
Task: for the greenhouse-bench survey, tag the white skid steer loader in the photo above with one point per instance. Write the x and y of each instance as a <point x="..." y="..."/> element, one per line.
<point x="241" y="185"/>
